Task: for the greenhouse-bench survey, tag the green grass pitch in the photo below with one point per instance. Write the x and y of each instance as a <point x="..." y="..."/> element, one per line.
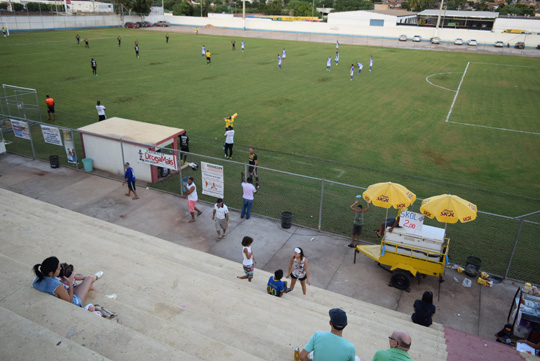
<point x="384" y="125"/>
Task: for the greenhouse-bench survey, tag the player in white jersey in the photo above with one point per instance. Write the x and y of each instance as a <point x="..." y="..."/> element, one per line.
<point x="352" y="71"/>
<point x="328" y="63"/>
<point x="337" y="58"/>
<point x="284" y="54"/>
<point x="370" y="62"/>
<point x="360" y="67"/>
<point x="203" y="50"/>
<point x="279" y="61"/>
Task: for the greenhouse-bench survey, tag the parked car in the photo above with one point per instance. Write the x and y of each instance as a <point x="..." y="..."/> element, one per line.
<point x="417" y="38"/>
<point x="403" y="37"/>
<point x="148" y="24"/>
<point x="538" y="46"/>
<point x="520" y="45"/>
<point x="458" y="41"/>
<point x="131" y="25"/>
<point x="162" y="23"/>
<point x="499" y="44"/>
<point x="141" y="24"/>
<point x="435" y="40"/>
<point x="472" y="42"/>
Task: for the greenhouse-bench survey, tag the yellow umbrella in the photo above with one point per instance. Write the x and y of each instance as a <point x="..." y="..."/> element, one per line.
<point x="388" y="194"/>
<point x="449" y="208"/>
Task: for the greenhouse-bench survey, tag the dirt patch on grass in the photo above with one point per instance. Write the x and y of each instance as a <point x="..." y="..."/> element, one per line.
<point x="157" y="63"/>
<point x="71" y="78"/>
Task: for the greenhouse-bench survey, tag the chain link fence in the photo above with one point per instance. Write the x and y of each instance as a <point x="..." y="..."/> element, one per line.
<point x="508" y="246"/>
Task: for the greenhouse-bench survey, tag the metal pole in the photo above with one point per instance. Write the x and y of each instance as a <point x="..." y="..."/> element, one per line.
<point x="179" y="155"/>
<point x="313" y="9"/>
<point x="321" y="206"/>
<point x="243" y="14"/>
<point x="122" y="151"/>
<point x="513" y="249"/>
<point x="31" y="141"/>
<point x="439" y="19"/>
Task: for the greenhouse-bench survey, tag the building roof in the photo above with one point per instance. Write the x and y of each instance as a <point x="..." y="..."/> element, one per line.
<point x="461" y="14"/>
<point x="131" y="130"/>
<point x="393" y="12"/>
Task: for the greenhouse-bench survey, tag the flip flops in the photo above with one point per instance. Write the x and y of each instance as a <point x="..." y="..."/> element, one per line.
<point x="99" y="275"/>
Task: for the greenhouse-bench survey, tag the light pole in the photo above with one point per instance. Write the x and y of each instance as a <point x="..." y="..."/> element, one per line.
<point x="313" y="10"/>
<point x="439" y="19"/>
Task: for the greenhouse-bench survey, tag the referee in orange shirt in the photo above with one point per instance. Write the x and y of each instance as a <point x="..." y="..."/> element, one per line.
<point x="50" y="107"/>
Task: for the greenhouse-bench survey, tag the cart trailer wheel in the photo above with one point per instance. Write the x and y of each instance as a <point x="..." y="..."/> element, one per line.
<point x="400" y="279"/>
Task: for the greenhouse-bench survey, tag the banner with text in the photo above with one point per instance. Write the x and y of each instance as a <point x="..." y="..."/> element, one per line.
<point x="158" y="159"/>
<point x="20" y="129"/>
<point x="411" y="221"/>
<point x="69" y="146"/>
<point x="51" y="135"/>
<point x="212" y="180"/>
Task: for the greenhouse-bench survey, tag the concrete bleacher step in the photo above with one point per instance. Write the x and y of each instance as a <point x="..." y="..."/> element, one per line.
<point x="17" y="332"/>
<point x="126" y="261"/>
<point x="216" y="304"/>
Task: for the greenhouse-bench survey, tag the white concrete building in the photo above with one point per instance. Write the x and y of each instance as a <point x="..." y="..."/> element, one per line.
<point x="386" y="18"/>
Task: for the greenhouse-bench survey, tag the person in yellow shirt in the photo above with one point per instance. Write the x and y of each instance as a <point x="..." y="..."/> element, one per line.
<point x="208" y="60"/>
<point x="230" y="120"/>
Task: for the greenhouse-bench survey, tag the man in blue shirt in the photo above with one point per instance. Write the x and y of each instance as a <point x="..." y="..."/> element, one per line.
<point x="275" y="285"/>
<point x="129" y="177"/>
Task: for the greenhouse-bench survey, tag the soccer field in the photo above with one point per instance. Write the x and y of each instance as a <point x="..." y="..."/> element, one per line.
<point x="436" y="122"/>
<point x="387" y="124"/>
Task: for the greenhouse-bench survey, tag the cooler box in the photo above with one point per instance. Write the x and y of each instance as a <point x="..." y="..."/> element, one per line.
<point x="429" y="238"/>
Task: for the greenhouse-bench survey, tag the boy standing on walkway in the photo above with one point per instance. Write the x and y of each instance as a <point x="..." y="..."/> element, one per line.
<point x="191" y="195"/>
<point x="358" y="222"/>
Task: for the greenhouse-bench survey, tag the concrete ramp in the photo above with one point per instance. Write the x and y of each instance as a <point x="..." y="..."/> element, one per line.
<point x="174" y="303"/>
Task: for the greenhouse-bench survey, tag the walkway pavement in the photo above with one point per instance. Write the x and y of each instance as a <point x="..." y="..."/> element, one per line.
<point x="477" y="310"/>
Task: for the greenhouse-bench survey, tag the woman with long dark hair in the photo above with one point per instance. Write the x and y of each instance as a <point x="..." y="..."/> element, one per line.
<point x="47" y="281"/>
<point x="424" y="310"/>
<point x="298" y="269"/>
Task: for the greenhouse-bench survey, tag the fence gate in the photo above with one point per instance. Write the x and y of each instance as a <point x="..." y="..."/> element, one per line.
<point x="19" y="103"/>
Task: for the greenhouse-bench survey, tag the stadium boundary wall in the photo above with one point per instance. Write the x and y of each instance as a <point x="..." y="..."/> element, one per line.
<point x="35" y="23"/>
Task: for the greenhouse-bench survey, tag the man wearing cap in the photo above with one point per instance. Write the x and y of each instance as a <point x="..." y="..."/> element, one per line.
<point x="191" y="195"/>
<point x="129" y="177"/>
<point x="221" y="217"/>
<point x="400" y="342"/>
<point x="330" y="346"/>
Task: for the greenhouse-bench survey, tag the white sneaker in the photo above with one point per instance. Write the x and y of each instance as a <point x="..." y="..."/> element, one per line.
<point x="99" y="275"/>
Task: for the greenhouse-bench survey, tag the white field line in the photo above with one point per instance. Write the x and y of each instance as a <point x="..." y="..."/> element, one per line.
<point x="487" y="126"/>
<point x="457" y="92"/>
<point x="517" y="66"/>
<point x="438" y="86"/>
<point x="505" y="129"/>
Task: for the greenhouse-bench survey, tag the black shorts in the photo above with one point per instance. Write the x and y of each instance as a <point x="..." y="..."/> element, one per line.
<point x="208" y="58"/>
<point x="185" y="149"/>
<point x="356" y="230"/>
<point x="50" y="109"/>
<point x="253" y="171"/>
<point x="131" y="186"/>
<point x="299" y="279"/>
<point x="102" y="117"/>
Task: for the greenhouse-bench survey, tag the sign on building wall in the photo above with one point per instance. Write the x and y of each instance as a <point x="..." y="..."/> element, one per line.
<point x="158" y="159"/>
<point x="212" y="180"/>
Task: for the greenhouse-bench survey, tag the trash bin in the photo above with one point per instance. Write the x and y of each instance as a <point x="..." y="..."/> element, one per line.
<point x="88" y="164"/>
<point x="472" y="267"/>
<point x="286" y="220"/>
<point x="55" y="161"/>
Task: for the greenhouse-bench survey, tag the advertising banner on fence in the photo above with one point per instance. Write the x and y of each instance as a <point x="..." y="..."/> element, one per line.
<point x="158" y="159"/>
<point x="51" y="135"/>
<point x="20" y="129"/>
<point x="411" y="220"/>
<point x="212" y="179"/>
<point x="70" y="147"/>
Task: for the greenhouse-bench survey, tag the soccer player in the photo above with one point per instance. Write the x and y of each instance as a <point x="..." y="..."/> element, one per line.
<point x="184" y="147"/>
<point x="328" y="63"/>
<point x="352" y="71"/>
<point x="136" y="42"/>
<point x="233" y="42"/>
<point x="119" y="40"/>
<point x="337" y="58"/>
<point x="78" y="37"/>
<point x="252" y="160"/>
<point x="243" y="45"/>
<point x="167" y="38"/>
<point x="93" y="64"/>
<point x="208" y="59"/>
<point x="50" y="107"/>
<point x="360" y="67"/>
<point x="229" y="142"/>
<point x="137" y="50"/>
<point x="370" y="62"/>
<point x="101" y="111"/>
<point x="196" y="31"/>
<point x="337" y="46"/>
<point x="4" y="31"/>
<point x="86" y="43"/>
<point x="203" y="50"/>
<point x="279" y="61"/>
<point x="284" y="54"/>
